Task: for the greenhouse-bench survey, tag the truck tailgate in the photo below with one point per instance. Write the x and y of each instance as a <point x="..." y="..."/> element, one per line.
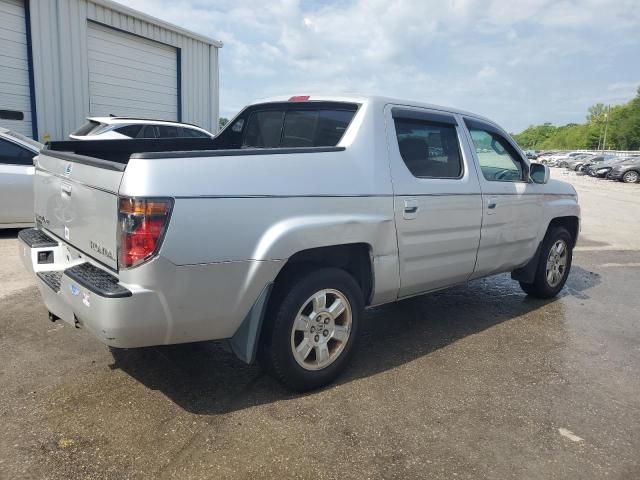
<point x="76" y="198"/>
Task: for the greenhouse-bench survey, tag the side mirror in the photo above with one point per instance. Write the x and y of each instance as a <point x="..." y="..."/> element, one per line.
<point x="539" y="173"/>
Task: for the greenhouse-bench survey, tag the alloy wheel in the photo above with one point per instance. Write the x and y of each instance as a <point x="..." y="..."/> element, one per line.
<point x="321" y="329"/>
<point x="631" y="177"/>
<point x="556" y="263"/>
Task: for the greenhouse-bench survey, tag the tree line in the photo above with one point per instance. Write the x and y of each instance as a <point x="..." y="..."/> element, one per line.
<point x="621" y="123"/>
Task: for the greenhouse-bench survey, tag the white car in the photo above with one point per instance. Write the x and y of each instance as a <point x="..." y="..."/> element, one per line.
<point x="122" y="128"/>
<point x="16" y="179"/>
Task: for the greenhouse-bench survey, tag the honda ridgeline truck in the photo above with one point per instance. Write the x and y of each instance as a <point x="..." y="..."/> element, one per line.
<point x="279" y="232"/>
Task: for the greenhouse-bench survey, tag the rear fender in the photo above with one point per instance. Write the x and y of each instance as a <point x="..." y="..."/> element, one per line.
<point x="290" y="236"/>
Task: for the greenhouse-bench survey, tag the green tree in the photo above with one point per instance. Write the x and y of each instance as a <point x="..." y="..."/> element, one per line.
<point x="222" y="122"/>
<point x="596" y="113"/>
<point x="622" y="124"/>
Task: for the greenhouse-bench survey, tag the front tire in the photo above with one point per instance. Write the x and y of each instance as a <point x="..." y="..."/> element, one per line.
<point x="554" y="265"/>
<point x="312" y="328"/>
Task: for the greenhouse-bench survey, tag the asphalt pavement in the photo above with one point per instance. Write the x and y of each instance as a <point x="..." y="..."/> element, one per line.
<point x="472" y="382"/>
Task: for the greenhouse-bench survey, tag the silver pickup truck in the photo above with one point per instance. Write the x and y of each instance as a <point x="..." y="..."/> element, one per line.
<point x="276" y="234"/>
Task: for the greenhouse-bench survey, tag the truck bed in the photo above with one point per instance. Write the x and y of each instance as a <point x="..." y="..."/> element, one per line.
<point x="120" y="151"/>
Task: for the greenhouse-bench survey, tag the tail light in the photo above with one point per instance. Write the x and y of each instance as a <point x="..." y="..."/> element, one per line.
<point x="142" y="223"/>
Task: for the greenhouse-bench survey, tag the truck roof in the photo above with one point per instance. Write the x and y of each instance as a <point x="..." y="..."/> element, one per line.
<point x="371" y="100"/>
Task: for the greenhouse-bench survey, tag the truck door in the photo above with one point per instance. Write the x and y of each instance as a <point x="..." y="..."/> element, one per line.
<point x="437" y="198"/>
<point x="512" y="205"/>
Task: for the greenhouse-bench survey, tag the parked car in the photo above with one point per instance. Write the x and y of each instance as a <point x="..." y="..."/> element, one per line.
<point x="569" y="162"/>
<point x="595" y="160"/>
<point x="601" y="170"/>
<point x="121" y="128"/>
<point x="300" y="214"/>
<point x="628" y="171"/>
<point x="563" y="160"/>
<point x="544" y="155"/>
<point x="16" y="178"/>
<point x="579" y="162"/>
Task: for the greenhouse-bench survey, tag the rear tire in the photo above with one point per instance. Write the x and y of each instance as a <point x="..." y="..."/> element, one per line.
<point x="631" y="177"/>
<point x="312" y="328"/>
<point x="554" y="264"/>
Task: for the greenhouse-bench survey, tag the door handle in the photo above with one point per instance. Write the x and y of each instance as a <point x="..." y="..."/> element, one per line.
<point x="410" y="208"/>
<point x="65" y="188"/>
<point x="492" y="203"/>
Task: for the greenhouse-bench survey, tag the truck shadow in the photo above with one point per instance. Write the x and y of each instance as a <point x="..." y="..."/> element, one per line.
<point x="204" y="378"/>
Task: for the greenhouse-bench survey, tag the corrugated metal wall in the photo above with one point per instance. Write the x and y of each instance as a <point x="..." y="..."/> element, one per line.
<point x="61" y="73"/>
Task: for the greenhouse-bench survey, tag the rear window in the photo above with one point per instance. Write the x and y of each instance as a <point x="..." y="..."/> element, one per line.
<point x="264" y="130"/>
<point x="87" y="128"/>
<point x="296" y="128"/>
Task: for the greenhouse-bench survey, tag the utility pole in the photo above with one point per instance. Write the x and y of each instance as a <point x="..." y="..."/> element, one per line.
<point x="606" y="125"/>
<point x="600" y="134"/>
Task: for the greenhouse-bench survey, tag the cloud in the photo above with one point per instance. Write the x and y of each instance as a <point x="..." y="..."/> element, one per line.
<point x="486" y="72"/>
<point x="517" y="62"/>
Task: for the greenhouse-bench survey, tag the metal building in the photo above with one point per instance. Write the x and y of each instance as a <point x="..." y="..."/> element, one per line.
<point x="64" y="60"/>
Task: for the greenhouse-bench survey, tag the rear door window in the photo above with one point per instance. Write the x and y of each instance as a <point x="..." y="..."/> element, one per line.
<point x="429" y="149"/>
<point x="167" y="131"/>
<point x="130" y="131"/>
<point x="193" y="133"/>
<point x="148" y="131"/>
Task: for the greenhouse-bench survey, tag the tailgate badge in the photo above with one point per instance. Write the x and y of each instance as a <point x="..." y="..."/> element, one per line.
<point x="104" y="251"/>
<point x="68" y="168"/>
<point x="75" y="291"/>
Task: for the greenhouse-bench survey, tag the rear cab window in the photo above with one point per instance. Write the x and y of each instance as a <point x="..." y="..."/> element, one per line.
<point x="289" y="125"/>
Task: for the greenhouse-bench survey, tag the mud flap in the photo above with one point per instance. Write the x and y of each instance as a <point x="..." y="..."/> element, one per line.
<point x="244" y="342"/>
<point x="527" y="273"/>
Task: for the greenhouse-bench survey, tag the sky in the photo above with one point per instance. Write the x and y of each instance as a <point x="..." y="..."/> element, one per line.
<point x="518" y="62"/>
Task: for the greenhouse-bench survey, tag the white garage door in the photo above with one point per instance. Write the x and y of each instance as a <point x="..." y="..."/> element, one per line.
<point x="15" y="102"/>
<point x="131" y="76"/>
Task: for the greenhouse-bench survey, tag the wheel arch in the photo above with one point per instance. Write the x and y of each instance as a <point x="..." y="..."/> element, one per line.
<point x="570" y="222"/>
<point x="527" y="272"/>
<point x="355" y="258"/>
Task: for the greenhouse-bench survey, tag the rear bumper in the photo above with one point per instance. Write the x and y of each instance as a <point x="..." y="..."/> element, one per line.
<point x="86" y="296"/>
<point x="158" y="303"/>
